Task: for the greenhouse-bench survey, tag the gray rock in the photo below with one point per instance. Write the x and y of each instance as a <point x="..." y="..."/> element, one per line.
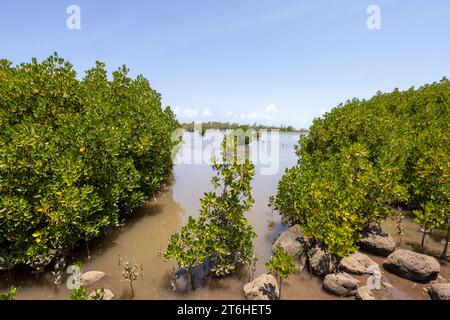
<point x="182" y="281"/>
<point x="340" y="284"/>
<point x="387" y="285"/>
<point x="320" y="262"/>
<point x="108" y="295"/>
<point x="91" y="277"/>
<point x="364" y="293"/>
<point x="377" y="241"/>
<point x="293" y="241"/>
<point x="264" y="287"/>
<point x="356" y="263"/>
<point x="440" y="291"/>
<point x="412" y="265"/>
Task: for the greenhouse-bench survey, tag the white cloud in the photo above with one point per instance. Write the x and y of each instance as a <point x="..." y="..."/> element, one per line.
<point x="270" y="114"/>
<point x="207" y="112"/>
<point x="192" y="113"/>
<point x="272" y="108"/>
<point x="186" y="112"/>
<point x="266" y="114"/>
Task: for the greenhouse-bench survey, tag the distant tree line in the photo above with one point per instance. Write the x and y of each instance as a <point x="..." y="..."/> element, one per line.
<point x="189" y="126"/>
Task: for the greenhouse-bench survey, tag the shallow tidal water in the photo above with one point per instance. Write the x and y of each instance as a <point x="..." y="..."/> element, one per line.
<point x="145" y="233"/>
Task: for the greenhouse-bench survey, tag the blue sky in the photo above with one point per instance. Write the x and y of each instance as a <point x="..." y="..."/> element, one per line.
<point x="270" y="61"/>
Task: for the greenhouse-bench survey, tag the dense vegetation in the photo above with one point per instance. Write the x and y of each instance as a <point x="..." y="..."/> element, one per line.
<point x="221" y="237"/>
<point x="74" y="155"/>
<point x="367" y="155"/>
<point x="230" y="125"/>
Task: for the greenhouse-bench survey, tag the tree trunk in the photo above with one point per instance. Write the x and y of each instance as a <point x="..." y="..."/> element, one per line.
<point x="187" y="284"/>
<point x="423" y="236"/>
<point x="88" y="251"/>
<point x="188" y="280"/>
<point x="337" y="264"/>
<point x="281" y="282"/>
<point x="132" y="291"/>
<point x="444" y="253"/>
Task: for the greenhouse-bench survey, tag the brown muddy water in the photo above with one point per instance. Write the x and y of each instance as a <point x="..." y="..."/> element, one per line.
<point x="145" y="233"/>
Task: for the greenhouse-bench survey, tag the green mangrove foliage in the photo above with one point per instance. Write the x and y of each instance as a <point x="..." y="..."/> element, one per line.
<point x="10" y="295"/>
<point x="221" y="236"/>
<point x="282" y="264"/>
<point x="366" y="155"/>
<point x="74" y="154"/>
<point x="79" y="293"/>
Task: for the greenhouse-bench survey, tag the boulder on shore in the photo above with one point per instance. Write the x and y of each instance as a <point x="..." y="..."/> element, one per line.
<point x="182" y="280"/>
<point x="340" y="284"/>
<point x="320" y="262"/>
<point x="440" y="291"/>
<point x="264" y="287"/>
<point x="91" y="277"/>
<point x="356" y="263"/>
<point x="376" y="241"/>
<point x="412" y="265"/>
<point x="364" y="293"/>
<point x="293" y="241"/>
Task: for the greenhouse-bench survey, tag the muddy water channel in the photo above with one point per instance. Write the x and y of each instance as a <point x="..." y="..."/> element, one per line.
<point x="145" y="233"/>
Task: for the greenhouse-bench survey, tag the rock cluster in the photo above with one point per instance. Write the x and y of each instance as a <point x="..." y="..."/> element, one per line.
<point x="378" y="242"/>
<point x="357" y="263"/>
<point x="404" y="263"/>
<point x="264" y="287"/>
<point x="320" y="262"/>
<point x="412" y="265"/>
<point x="91" y="277"/>
<point x="440" y="291"/>
<point x="364" y="293"/>
<point x="340" y="284"/>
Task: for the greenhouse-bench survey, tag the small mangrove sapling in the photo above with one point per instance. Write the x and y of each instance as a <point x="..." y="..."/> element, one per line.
<point x="98" y="294"/>
<point x="221" y="235"/>
<point x="282" y="264"/>
<point x="130" y="273"/>
<point x="399" y="225"/>
<point x="79" y="293"/>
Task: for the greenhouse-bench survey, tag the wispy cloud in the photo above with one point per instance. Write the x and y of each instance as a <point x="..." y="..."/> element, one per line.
<point x="271" y="114"/>
<point x="207" y="112"/>
<point x="271" y="108"/>
<point x="193" y="113"/>
<point x="266" y="114"/>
